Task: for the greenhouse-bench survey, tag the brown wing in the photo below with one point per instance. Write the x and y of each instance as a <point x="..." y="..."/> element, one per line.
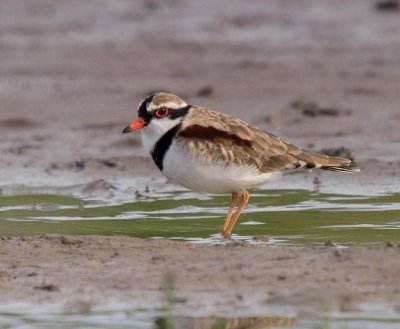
<point x="216" y="137"/>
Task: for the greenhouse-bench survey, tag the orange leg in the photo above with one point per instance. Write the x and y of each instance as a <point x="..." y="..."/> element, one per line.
<point x="230" y="212"/>
<point x="243" y="202"/>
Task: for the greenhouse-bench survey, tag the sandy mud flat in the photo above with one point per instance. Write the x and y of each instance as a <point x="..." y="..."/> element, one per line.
<point x="324" y="77"/>
<point x="85" y="273"/>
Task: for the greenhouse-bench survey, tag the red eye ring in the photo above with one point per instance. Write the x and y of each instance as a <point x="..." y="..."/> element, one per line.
<point x="161" y="112"/>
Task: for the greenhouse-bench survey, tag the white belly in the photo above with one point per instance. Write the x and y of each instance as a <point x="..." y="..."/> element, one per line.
<point x="198" y="176"/>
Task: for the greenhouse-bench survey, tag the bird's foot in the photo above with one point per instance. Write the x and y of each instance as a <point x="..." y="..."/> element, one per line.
<point x="226" y="235"/>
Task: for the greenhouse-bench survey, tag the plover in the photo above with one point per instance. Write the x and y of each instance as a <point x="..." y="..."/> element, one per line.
<point x="207" y="151"/>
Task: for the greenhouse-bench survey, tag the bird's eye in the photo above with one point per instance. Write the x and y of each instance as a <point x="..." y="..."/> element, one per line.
<point x="161" y="112"/>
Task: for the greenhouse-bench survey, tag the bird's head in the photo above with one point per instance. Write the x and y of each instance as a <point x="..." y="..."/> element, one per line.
<point x="159" y="112"/>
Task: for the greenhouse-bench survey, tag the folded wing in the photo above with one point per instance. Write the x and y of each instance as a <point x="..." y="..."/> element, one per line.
<point x="218" y="138"/>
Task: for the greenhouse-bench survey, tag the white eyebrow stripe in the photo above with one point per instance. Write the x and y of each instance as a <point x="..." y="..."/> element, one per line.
<point x="170" y="105"/>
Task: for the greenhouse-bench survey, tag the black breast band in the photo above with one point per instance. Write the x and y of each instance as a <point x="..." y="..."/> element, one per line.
<point x="162" y="146"/>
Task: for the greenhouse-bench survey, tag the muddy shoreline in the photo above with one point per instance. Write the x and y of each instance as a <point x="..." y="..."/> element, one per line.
<point x="65" y="101"/>
<point x="84" y="273"/>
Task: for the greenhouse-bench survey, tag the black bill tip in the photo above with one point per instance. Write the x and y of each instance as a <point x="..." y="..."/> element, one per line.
<point x="127" y="130"/>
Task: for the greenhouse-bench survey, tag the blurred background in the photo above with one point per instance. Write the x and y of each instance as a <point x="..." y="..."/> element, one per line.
<point x="322" y="74"/>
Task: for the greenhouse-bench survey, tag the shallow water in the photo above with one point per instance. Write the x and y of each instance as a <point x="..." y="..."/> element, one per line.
<point x="145" y="320"/>
<point x="282" y="217"/>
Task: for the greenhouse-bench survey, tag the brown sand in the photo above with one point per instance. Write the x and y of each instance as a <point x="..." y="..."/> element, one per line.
<point x="78" y="274"/>
<point x="319" y="73"/>
<point x="70" y="84"/>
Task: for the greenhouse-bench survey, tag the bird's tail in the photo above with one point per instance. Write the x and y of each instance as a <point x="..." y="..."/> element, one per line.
<point x="314" y="160"/>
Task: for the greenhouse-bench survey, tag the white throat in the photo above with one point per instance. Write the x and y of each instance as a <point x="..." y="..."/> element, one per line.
<point x="155" y="130"/>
